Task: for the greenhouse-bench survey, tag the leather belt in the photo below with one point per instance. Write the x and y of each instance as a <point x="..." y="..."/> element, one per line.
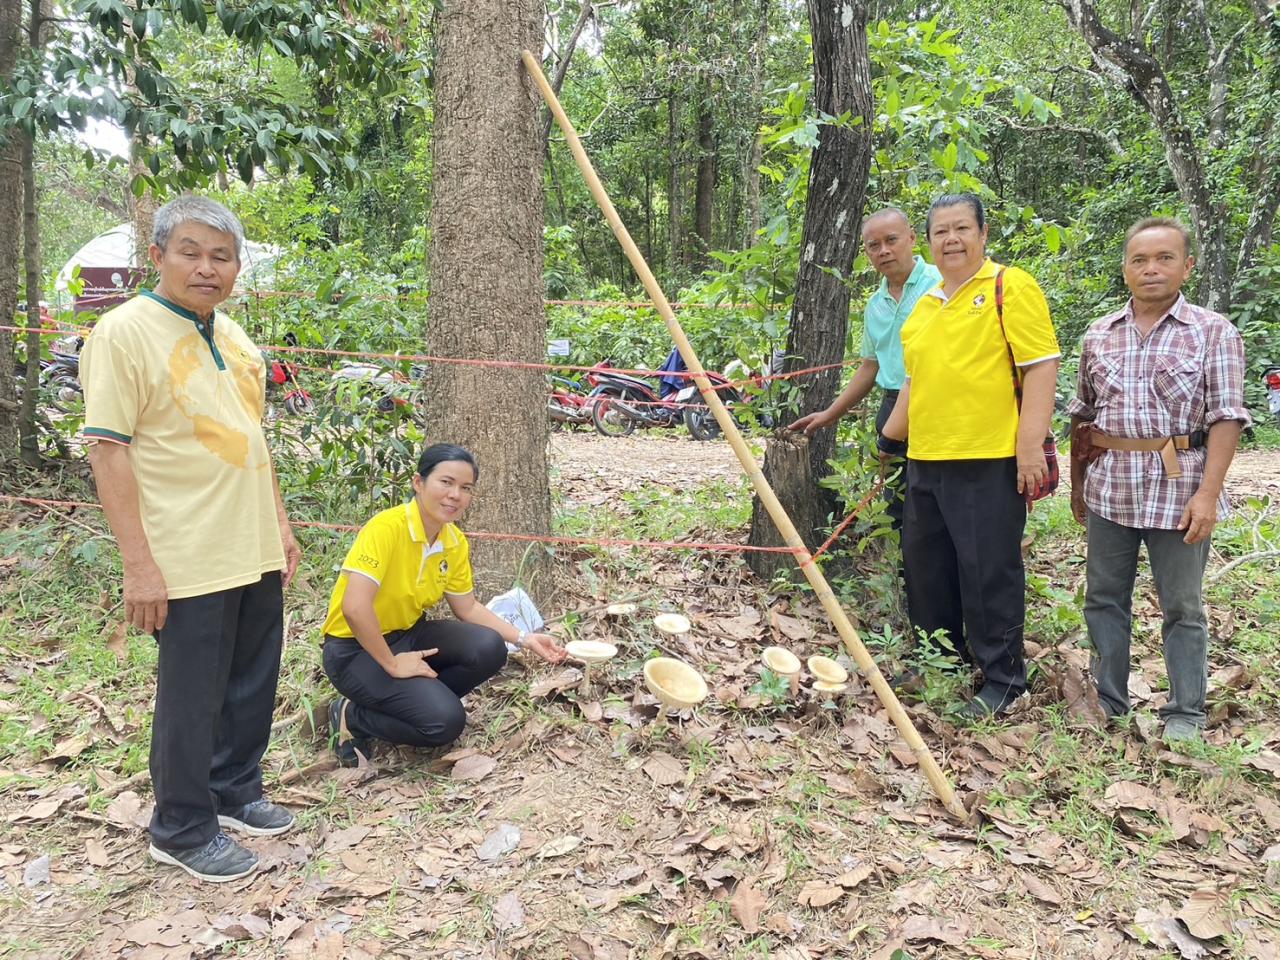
<point x="1167" y="447"/>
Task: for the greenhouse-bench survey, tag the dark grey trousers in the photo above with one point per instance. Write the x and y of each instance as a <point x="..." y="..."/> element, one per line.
<point x="895" y="489"/>
<point x="1178" y="571"/>
<point x="215" y="693"/>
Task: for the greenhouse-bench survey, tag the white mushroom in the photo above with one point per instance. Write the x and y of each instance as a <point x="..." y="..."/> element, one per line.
<point x="674" y="683"/>
<point x="589" y="652"/>
<point x="827" y="670"/>
<point x="785" y="664"/>
<point x="672" y="624"/>
<point x="620" y="609"/>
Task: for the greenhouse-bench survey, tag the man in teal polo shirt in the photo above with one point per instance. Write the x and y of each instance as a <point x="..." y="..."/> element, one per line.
<point x="889" y="243"/>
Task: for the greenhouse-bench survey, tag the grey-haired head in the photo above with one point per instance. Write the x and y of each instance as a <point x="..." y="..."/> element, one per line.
<point x="190" y="208"/>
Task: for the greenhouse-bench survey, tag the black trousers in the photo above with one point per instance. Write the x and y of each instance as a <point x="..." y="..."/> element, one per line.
<point x="418" y="711"/>
<point x="895" y="489"/>
<point x="215" y="693"/>
<point x="962" y="549"/>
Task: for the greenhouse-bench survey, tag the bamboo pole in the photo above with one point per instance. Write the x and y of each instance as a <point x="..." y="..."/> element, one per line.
<point x="937" y="779"/>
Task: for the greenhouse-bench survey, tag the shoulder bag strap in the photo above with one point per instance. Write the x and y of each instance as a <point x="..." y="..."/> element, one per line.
<point x="1013" y="364"/>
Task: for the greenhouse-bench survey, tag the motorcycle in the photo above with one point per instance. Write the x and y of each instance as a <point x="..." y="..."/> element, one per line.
<point x="1271" y="379"/>
<point x="567" y="404"/>
<point x="283" y="375"/>
<point x="624" y="402"/>
<point x="385" y="390"/>
<point x="60" y="374"/>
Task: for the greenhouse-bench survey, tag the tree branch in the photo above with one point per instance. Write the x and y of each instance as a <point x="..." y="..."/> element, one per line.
<point x="1108" y="137"/>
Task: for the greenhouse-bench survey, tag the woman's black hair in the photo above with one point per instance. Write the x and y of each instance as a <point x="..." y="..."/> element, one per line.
<point x="971" y="200"/>
<point x="439" y="453"/>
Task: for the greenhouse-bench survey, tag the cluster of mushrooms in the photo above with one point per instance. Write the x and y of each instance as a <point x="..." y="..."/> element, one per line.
<point x="678" y="686"/>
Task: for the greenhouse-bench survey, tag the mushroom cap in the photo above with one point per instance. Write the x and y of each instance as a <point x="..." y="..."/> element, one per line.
<point x="822" y="686"/>
<point x="827" y="670"/>
<point x="590" y="651"/>
<point x="674" y="682"/>
<point x="620" y="609"/>
<point x="672" y="623"/>
<point x="781" y="661"/>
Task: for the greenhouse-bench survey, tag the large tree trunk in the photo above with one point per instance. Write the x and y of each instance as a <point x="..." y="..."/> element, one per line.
<point x="10" y="231"/>
<point x="486" y="276"/>
<point x="29" y="439"/>
<point x="705" y="190"/>
<point x="828" y="244"/>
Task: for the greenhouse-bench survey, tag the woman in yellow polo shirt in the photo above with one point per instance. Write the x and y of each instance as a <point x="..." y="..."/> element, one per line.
<point x="402" y="677"/>
<point x="973" y="452"/>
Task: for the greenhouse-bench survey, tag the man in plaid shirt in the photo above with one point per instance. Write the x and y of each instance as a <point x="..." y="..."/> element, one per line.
<point x="1156" y="420"/>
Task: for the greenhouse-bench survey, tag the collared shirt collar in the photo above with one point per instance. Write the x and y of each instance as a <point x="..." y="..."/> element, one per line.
<point x="1180" y="311"/>
<point x="916" y="276"/>
<point x="418" y="533"/>
<point x="180" y="311"/>
<point x="986" y="271"/>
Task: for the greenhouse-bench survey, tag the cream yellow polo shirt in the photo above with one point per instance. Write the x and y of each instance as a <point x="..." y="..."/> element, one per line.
<point x="962" y="402"/>
<point x="188" y="405"/>
<point x="412" y="575"/>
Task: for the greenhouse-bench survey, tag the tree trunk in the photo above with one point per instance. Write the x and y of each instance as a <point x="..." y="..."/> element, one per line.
<point x="705" y="190"/>
<point x="562" y="68"/>
<point x="828" y="244"/>
<point x="29" y="440"/>
<point x="1134" y="69"/>
<point x="753" y="219"/>
<point x="486" y="277"/>
<point x="142" y="208"/>
<point x="10" y="231"/>
<point x="675" y="185"/>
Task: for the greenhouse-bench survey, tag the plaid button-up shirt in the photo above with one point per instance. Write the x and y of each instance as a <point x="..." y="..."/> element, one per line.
<point x="1186" y="375"/>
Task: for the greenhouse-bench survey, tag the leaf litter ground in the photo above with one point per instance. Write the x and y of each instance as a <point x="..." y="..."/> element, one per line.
<point x="564" y="824"/>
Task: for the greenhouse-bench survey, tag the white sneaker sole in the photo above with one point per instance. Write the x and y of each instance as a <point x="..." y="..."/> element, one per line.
<point x="239" y="826"/>
<point x="159" y="856"/>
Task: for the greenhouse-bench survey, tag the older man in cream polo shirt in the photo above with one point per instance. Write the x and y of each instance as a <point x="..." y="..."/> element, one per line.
<point x="174" y="393"/>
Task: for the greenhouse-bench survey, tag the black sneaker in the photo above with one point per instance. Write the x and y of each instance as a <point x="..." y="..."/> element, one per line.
<point x="219" y="860"/>
<point x="987" y="704"/>
<point x="344" y="744"/>
<point x="262" y="818"/>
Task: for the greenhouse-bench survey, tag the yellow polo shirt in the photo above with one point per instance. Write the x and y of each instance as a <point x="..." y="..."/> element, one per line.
<point x="188" y="405"/>
<point x="412" y="575"/>
<point x="962" y="404"/>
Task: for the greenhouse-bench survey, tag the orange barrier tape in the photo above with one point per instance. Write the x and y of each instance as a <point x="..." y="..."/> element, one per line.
<point x="482" y="534"/>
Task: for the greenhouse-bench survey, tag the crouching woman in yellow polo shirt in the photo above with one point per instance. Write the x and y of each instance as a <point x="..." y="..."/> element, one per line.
<point x="400" y="675"/>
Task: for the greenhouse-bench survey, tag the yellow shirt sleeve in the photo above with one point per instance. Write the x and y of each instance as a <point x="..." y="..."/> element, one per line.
<point x="460" y="581"/>
<point x="1026" y="319"/>
<point x="114" y="392"/>
<point x="371" y="554"/>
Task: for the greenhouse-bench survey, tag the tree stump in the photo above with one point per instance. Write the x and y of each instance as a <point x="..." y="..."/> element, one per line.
<point x="788" y="470"/>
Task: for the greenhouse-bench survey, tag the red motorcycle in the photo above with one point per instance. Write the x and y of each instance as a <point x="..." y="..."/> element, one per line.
<point x="623" y="402"/>
<point x="282" y="375"/>
<point x="567" y="404"/>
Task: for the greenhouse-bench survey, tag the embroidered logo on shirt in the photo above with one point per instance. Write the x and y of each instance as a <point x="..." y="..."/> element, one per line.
<point x="444" y="567"/>
<point x="980" y="299"/>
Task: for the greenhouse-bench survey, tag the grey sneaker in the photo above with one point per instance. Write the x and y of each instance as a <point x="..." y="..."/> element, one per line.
<point x="1178" y="729"/>
<point x="261" y="818"/>
<point x="219" y="860"/>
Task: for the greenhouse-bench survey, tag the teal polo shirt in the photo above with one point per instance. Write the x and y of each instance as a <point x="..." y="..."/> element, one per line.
<point x="882" y="320"/>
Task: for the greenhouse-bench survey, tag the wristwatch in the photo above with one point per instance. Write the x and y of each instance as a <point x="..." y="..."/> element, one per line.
<point x="520" y="637"/>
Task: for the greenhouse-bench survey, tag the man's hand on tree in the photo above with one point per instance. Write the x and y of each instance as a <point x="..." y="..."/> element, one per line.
<point x="811" y="423"/>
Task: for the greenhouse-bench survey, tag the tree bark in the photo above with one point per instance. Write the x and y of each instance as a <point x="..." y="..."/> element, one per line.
<point x="562" y="68"/>
<point x="828" y="244"/>
<point x="10" y="231"/>
<point x="705" y="190"/>
<point x="29" y="440"/>
<point x="486" y="277"/>
<point x="1133" y="68"/>
<point x="752" y="219"/>
<point x="675" y="184"/>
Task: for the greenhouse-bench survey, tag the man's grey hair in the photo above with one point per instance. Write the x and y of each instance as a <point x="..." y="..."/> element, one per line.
<point x="194" y="209"/>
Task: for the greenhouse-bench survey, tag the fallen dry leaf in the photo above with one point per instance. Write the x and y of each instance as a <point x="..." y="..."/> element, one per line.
<point x="96" y="853"/>
<point x="117" y="643"/>
<point x="1081" y="696"/>
<point x="1205" y="913"/>
<point x="1041" y="890"/>
<point x="664" y="770"/>
<point x="126" y="810"/>
<point x="746" y="904"/>
<point x="819" y="893"/>
<point x="508" y="912"/>
<point x="499" y="842"/>
<point x="558" y="848"/>
<point x="475" y="767"/>
<point x="951" y="932"/>
<point x="40" y="810"/>
<point x="1166" y="932"/>
<point x="340" y="840"/>
<point x="853" y="877"/>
